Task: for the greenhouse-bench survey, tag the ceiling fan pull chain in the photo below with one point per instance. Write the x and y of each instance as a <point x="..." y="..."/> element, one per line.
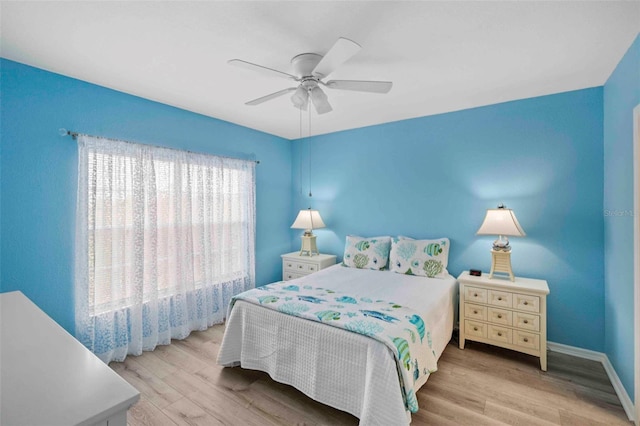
<point x="301" y="158"/>
<point x="309" y="122"/>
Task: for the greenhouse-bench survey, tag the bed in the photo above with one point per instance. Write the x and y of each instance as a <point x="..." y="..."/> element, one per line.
<point x="342" y="369"/>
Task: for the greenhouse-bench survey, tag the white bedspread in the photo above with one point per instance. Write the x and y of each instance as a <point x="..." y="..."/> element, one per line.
<point x="345" y="370"/>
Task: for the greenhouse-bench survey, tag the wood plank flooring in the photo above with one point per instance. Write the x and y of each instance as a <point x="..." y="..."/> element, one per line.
<point x="180" y="384"/>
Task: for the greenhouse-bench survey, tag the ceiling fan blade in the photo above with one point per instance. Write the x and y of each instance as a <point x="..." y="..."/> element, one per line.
<point x="360" y="86"/>
<point x="342" y="50"/>
<point x="265" y="70"/>
<point x="271" y="96"/>
<point x="320" y="101"/>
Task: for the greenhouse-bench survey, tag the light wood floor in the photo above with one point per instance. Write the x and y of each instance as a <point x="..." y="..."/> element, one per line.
<point x="180" y="384"/>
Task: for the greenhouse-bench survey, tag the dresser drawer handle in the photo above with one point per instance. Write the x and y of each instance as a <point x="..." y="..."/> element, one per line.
<point x="289" y="265"/>
<point x="525" y="340"/>
<point x="499" y="298"/>
<point x="499" y="316"/>
<point x="475" y="312"/>
<point x="499" y="334"/>
<point x="475" y="294"/>
<point x="526" y="303"/>
<point x="526" y="321"/>
<point x="475" y="328"/>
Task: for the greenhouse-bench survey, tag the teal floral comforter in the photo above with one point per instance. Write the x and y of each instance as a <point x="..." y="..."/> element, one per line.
<point x="398" y="327"/>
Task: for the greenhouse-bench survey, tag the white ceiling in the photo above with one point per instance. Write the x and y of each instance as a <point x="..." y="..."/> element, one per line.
<point x="441" y="56"/>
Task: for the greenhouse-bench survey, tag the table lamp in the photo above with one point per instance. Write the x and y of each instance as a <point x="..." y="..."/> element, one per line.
<point x="308" y="220"/>
<point x="501" y="222"/>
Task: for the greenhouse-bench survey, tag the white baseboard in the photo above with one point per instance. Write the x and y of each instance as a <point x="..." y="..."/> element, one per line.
<point x="575" y="351"/>
<point x="626" y="402"/>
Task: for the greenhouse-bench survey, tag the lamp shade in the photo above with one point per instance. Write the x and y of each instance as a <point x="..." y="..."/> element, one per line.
<point x="300" y="98"/>
<point x="501" y="221"/>
<point x="308" y="219"/>
<point x="320" y="101"/>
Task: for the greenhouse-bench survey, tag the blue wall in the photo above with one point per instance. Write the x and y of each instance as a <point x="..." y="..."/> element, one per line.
<point x="39" y="172"/>
<point x="621" y="95"/>
<point x="435" y="177"/>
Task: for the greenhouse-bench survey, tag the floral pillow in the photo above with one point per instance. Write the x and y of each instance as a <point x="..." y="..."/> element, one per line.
<point x="366" y="253"/>
<point x="427" y="258"/>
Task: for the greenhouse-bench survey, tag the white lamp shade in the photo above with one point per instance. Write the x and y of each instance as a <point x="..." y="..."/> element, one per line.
<point x="501" y="222"/>
<point x="320" y="101"/>
<point x="300" y="98"/>
<point x="308" y="219"/>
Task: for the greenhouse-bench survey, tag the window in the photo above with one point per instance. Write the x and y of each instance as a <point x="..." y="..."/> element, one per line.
<point x="164" y="232"/>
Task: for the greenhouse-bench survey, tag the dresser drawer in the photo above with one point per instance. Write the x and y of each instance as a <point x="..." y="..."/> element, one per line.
<point x="287" y="275"/>
<point x="500" y="316"/>
<point x="477" y="329"/>
<point x="527" y="321"/>
<point x="476" y="312"/>
<point x="478" y="295"/>
<point x="290" y="265"/>
<point x="499" y="334"/>
<point x="300" y="267"/>
<point x="526" y="302"/>
<point x="499" y="298"/>
<point x="526" y="340"/>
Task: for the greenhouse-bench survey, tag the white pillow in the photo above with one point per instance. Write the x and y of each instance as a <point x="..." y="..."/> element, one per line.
<point x="366" y="253"/>
<point x="427" y="258"/>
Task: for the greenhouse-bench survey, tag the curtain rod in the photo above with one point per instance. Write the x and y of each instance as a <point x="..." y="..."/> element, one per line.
<point x="74" y="135"/>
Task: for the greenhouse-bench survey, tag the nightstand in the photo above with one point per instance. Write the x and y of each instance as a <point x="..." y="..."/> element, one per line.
<point x="295" y="266"/>
<point x="509" y="314"/>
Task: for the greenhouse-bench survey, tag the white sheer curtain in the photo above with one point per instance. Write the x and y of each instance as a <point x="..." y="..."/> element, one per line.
<point x="164" y="238"/>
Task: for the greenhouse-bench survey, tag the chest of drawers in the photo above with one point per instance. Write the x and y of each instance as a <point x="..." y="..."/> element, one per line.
<point x="50" y="378"/>
<point x="295" y="266"/>
<point x="509" y="314"/>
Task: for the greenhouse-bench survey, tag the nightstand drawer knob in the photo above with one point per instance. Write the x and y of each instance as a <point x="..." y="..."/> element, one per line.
<point x="499" y="334"/>
<point x="475" y="294"/>
<point x="475" y="312"/>
<point x="475" y="328"/>
<point x="525" y="340"/>
<point x="526" y="321"/>
<point x="526" y="303"/>
<point x="499" y="298"/>
<point x="499" y="316"/>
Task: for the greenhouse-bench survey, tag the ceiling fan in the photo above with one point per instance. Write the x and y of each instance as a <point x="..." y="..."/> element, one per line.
<point x="309" y="69"/>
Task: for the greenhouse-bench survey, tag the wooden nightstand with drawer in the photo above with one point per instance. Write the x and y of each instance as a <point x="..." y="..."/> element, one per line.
<point x="295" y="266"/>
<point x="509" y="314"/>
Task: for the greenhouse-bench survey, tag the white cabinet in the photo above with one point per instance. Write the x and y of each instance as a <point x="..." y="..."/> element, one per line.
<point x="49" y="378"/>
<point x="510" y="314"/>
<point x="295" y="265"/>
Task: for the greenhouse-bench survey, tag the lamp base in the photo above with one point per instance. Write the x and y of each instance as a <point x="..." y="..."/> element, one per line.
<point x="501" y="262"/>
<point x="308" y="245"/>
<point x="501" y="244"/>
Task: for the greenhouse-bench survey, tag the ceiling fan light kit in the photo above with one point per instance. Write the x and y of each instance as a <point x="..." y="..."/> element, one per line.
<point x="309" y="69"/>
<point x="300" y="98"/>
<point x="320" y="101"/>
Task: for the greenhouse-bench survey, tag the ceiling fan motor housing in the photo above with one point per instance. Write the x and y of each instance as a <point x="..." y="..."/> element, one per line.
<point x="304" y="64"/>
